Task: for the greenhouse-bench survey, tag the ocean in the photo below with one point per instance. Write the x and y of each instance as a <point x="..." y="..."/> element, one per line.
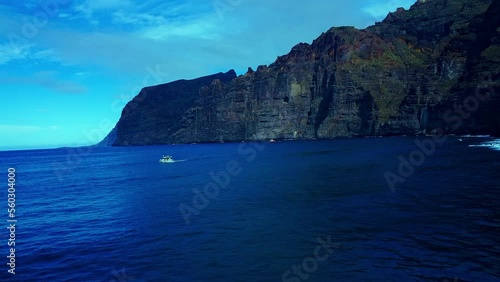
<point x="366" y="209"/>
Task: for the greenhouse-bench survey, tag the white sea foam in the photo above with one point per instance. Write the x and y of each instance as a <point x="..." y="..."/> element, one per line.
<point x="474" y="136"/>
<point x="493" y="144"/>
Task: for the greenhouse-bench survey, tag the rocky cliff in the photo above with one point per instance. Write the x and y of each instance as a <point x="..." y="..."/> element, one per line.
<point x="433" y="66"/>
<point x="153" y="116"/>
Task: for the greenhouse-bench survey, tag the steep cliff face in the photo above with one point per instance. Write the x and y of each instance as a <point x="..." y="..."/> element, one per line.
<point x="405" y="75"/>
<point x="152" y="117"/>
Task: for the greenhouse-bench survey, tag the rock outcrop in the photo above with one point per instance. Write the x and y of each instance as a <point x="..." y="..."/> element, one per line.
<point x="433" y="66"/>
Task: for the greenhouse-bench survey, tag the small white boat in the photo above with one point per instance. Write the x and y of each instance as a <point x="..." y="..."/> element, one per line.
<point x="167" y="159"/>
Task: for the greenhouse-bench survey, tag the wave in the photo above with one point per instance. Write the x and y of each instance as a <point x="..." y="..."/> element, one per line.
<point x="495" y="144"/>
<point x="474" y="136"/>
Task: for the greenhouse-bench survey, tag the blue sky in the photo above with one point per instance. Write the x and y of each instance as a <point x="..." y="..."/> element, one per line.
<point x="67" y="68"/>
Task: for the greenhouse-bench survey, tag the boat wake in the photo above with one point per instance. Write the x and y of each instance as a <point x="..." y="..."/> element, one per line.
<point x="172" y="161"/>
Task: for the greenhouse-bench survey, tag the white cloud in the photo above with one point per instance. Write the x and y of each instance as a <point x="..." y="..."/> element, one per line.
<point x="50" y="80"/>
<point x="12" y="52"/>
<point x="53" y="127"/>
<point x="64" y="15"/>
<point x="106" y="4"/>
<point x="88" y="8"/>
<point x="82" y="74"/>
<point x="137" y="19"/>
<point x="200" y="30"/>
<point x="47" y="55"/>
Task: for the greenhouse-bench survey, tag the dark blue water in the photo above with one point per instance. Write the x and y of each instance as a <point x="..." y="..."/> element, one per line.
<point x="112" y="214"/>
